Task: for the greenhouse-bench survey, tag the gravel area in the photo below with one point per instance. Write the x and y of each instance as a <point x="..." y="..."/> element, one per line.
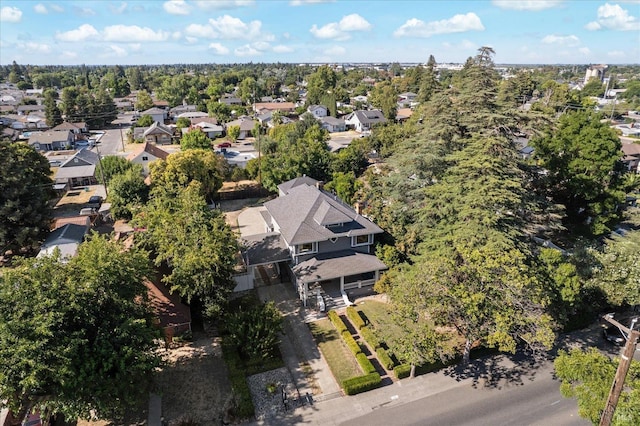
<point x="269" y="404"/>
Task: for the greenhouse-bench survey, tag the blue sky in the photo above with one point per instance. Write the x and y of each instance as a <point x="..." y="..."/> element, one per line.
<point x="301" y="31"/>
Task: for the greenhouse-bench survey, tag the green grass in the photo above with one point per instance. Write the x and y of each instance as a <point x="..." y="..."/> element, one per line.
<point x="380" y="316"/>
<point x="341" y="361"/>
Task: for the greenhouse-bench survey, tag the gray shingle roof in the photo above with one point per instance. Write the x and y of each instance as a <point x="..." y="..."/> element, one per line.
<point x="296" y="216"/>
<point x="328" y="266"/>
<point x="284" y="187"/>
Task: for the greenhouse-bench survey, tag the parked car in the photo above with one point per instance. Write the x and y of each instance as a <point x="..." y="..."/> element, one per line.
<point x="614" y="335"/>
<point x="224" y="145"/>
<point x="95" y="201"/>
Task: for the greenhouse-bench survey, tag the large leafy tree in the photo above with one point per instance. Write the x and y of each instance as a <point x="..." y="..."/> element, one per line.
<point x="587" y="376"/>
<point x="113" y="165"/>
<point x="77" y="338"/>
<point x="321" y="82"/>
<point x="385" y="97"/>
<point x="52" y="112"/>
<point x="143" y="101"/>
<point x="195" y="242"/>
<point x="195" y="139"/>
<point x="256" y="330"/>
<point x="181" y="168"/>
<point x="582" y="158"/>
<point x="25" y="190"/>
<point x="127" y="193"/>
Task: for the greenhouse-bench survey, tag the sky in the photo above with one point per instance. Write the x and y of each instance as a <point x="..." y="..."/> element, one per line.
<point x="138" y="32"/>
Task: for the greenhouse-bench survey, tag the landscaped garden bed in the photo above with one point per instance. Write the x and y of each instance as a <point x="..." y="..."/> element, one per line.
<point x="340" y="359"/>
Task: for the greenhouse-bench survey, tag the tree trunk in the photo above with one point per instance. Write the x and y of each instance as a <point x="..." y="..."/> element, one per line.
<point x="412" y="374"/>
<point x="466" y="355"/>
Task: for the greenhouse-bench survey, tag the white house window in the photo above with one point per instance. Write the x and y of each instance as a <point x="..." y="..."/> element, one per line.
<point x="361" y="240"/>
<point x="307" y="248"/>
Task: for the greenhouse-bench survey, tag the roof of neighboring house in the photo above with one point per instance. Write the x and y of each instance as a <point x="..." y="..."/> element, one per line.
<point x="75" y="220"/>
<point x="84" y="155"/>
<point x="403" y="113"/>
<point x="11" y="133"/>
<point x="153" y="111"/>
<point x="304" y="213"/>
<point x="7" y="108"/>
<point x="312" y="108"/>
<point x="157" y="127"/>
<point x="261" y="249"/>
<point x="48" y="137"/>
<point x="245" y="123"/>
<point x="211" y="120"/>
<point x="67" y="238"/>
<point x="284" y="187"/>
<point x="193" y="114"/>
<point x="183" y="108"/>
<point x="368" y="116"/>
<point x="631" y="150"/>
<point x="69" y="126"/>
<point x="274" y="106"/>
<point x="207" y="127"/>
<point x="30" y="107"/>
<point x="407" y="95"/>
<point x="167" y="306"/>
<point x="332" y="120"/>
<point x="150" y="149"/>
<point x="327" y="266"/>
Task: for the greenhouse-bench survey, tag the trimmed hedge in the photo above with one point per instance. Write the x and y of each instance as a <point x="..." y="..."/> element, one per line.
<point x="370" y="337"/>
<point x="337" y="321"/>
<point x="401" y="371"/>
<point x="351" y="342"/>
<point x="360" y="384"/>
<point x="355" y="318"/>
<point x="384" y="358"/>
<point x="365" y="364"/>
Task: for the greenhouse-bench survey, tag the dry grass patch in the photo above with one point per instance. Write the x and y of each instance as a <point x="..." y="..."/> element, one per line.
<point x="341" y="361"/>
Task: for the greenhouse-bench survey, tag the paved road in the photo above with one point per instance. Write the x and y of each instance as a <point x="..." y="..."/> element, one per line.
<point x="534" y="402"/>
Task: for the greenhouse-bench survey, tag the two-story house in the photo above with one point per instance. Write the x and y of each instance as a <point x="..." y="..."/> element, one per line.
<point x="324" y="241"/>
<point x="364" y="120"/>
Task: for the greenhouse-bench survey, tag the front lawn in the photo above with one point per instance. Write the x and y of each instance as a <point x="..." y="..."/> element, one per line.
<point x="341" y="361"/>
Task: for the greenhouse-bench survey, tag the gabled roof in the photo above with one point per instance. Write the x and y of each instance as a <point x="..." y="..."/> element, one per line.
<point x="284" y="187"/>
<point x="299" y="212"/>
<point x="150" y="149"/>
<point x="327" y="266"/>
<point x="67" y="238"/>
<point x="367" y="117"/>
<point x="245" y="123"/>
<point x="69" y="126"/>
<point x="156" y="128"/>
<point x="84" y="156"/>
<point x="48" y="137"/>
<point x="332" y="120"/>
<point x="312" y="108"/>
<point x="274" y="106"/>
<point x="153" y="111"/>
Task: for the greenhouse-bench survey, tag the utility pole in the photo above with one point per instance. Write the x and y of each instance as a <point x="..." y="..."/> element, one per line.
<point x="632" y="337"/>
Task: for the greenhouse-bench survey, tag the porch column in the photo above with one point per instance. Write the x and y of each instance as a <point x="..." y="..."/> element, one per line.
<point x="377" y="276"/>
<point x="342" y="284"/>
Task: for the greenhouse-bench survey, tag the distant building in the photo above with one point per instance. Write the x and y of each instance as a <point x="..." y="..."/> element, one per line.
<point x="595" y="71"/>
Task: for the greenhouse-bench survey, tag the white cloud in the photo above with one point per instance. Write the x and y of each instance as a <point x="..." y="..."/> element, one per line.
<point x="218" y="49"/>
<point x="85" y="11"/>
<point x="56" y="8"/>
<point x="69" y="54"/>
<point x="135" y="47"/>
<point x="335" y="51"/>
<point x="40" y="8"/>
<point x="614" y="17"/>
<point x="531" y="5"/>
<point x="247" y="50"/>
<point x="34" y="47"/>
<point x="456" y="24"/>
<point x="303" y="2"/>
<point x="569" y="41"/>
<point x="261" y="45"/>
<point x="132" y="33"/>
<point x="118" y="10"/>
<point x="585" y="51"/>
<point x="10" y="14"/>
<point x="83" y="32"/>
<point x="223" y="4"/>
<point x="340" y="30"/>
<point x="191" y="40"/>
<point x="176" y="7"/>
<point x="118" y="51"/>
<point x="281" y="48"/>
<point x="233" y="28"/>
<point x="203" y="31"/>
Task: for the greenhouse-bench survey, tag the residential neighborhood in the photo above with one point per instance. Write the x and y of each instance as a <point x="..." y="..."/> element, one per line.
<point x="354" y="235"/>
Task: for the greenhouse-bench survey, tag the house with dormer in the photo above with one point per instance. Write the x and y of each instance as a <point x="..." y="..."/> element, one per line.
<point x="147" y="154"/>
<point x="323" y="242"/>
<point x="79" y="170"/>
<point x="157" y="133"/>
<point x="364" y="120"/>
<point x="51" y="141"/>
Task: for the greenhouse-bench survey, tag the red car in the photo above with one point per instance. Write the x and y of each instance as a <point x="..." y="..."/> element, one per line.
<point x="224" y="145"/>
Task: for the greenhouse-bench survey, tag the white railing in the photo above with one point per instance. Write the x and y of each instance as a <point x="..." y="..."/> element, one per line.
<point x="359" y="284"/>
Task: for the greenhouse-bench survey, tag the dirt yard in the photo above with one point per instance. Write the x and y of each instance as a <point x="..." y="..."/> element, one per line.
<point x="194" y="385"/>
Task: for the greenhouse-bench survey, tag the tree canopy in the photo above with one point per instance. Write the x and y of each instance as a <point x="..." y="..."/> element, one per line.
<point x="25" y="190"/>
<point x="195" y="139"/>
<point x="77" y="338"/>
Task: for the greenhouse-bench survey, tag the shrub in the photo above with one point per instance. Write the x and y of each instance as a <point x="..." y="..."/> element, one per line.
<point x="355" y="318"/>
<point x="384" y="358"/>
<point x="360" y="384"/>
<point x="370" y="337"/>
<point x="365" y="364"/>
<point x="337" y="321"/>
<point x="351" y="342"/>
<point x="401" y="371"/>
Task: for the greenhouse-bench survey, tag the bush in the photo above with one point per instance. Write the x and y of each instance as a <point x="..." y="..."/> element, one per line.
<point x="337" y="321"/>
<point x="360" y="384"/>
<point x="384" y="358"/>
<point x="401" y="371"/>
<point x="370" y="337"/>
<point x="351" y="342"/>
<point x="365" y="364"/>
<point x="355" y="318"/>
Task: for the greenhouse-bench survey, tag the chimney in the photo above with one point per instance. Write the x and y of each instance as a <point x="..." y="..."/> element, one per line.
<point x="320" y="185"/>
<point x="358" y="207"/>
